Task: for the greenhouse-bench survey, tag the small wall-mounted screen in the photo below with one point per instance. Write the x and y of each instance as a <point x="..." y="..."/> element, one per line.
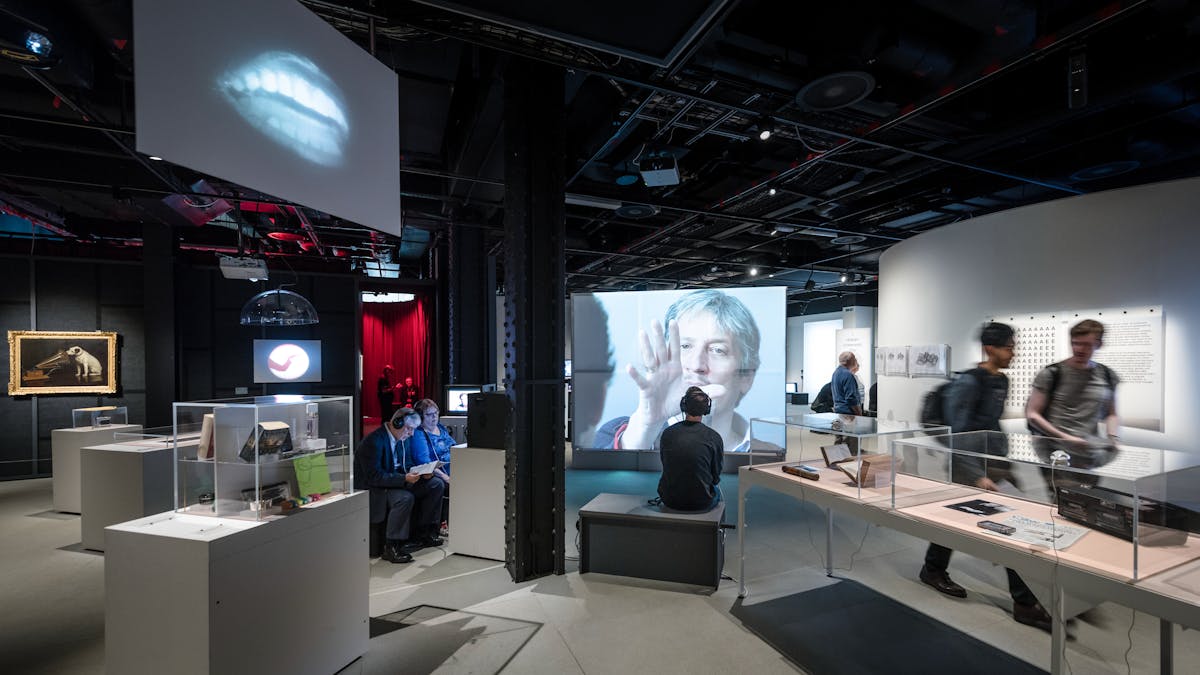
<point x="456" y="397"/>
<point x="793" y="387"/>
<point x="287" y="361"/>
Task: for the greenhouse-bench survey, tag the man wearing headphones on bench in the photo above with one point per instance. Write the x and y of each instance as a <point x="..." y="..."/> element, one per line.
<point x="692" y="455"/>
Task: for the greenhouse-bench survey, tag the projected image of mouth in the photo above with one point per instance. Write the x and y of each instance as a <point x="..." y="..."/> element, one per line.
<point x="291" y="101"/>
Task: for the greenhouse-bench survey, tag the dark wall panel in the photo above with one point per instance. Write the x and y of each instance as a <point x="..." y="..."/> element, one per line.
<point x="67" y="295"/>
<point x="14" y="281"/>
<point x="126" y="322"/>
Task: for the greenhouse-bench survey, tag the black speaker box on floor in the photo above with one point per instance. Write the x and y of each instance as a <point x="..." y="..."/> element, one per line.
<point x="489" y="418"/>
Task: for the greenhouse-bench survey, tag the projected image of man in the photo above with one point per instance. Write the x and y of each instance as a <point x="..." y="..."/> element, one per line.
<point x="710" y="341"/>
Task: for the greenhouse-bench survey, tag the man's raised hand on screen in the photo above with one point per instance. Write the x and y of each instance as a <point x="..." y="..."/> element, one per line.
<point x="659" y="383"/>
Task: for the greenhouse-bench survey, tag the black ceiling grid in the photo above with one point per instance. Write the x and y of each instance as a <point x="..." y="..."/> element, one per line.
<point x="886" y="119"/>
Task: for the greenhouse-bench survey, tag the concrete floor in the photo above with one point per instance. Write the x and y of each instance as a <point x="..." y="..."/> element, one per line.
<point x="54" y="599"/>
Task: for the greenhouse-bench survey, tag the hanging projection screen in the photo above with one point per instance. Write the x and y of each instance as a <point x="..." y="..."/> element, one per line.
<point x="267" y="95"/>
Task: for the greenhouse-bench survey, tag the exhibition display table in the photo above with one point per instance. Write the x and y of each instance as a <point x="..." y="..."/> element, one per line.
<point x="124" y="481"/>
<point x="1092" y="570"/>
<point x="65" y="445"/>
<point x="202" y="594"/>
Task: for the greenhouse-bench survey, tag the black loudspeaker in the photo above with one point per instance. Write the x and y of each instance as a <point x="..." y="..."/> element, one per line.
<point x="489" y="420"/>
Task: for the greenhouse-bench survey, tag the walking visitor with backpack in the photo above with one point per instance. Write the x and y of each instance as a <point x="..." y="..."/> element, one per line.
<point x="974" y="401"/>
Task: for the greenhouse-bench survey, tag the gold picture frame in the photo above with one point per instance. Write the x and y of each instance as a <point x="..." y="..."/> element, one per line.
<point x="61" y="362"/>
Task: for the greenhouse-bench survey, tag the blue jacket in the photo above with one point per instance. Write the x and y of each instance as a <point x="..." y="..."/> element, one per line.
<point x="845" y="390"/>
<point x="427" y="447"/>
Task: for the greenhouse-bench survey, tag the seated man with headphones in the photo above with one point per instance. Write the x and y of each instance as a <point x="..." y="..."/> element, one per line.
<point x="692" y="455"/>
<point x="411" y="502"/>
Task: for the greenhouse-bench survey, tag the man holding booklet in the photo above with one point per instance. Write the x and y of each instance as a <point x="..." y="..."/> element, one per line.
<point x="408" y="495"/>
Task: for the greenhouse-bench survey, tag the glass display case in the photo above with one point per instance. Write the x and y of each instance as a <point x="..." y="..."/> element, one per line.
<point x="1122" y="511"/>
<point x="99" y="416"/>
<point x="261" y="457"/>
<point x="848" y="453"/>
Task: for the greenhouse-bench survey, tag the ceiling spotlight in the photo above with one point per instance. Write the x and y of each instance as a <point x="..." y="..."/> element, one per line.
<point x="772" y="192"/>
<point x="844" y="277"/>
<point x="38" y="44"/>
<point x="753" y="271"/>
<point x="156" y="158"/>
<point x="764" y="134"/>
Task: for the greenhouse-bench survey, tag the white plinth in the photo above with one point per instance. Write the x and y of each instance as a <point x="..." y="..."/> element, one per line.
<point x="123" y="481"/>
<point x="194" y="594"/>
<point x="477" y="502"/>
<point x="64" y="452"/>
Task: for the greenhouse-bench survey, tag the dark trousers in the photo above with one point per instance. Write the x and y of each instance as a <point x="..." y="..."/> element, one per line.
<point x="415" y="508"/>
<point x="937" y="559"/>
<point x="385" y="408"/>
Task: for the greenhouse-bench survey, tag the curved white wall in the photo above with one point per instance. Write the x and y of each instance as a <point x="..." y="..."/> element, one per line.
<point x="1133" y="247"/>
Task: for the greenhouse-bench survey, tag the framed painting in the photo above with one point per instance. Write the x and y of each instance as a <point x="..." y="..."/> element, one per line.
<point x="61" y="362"/>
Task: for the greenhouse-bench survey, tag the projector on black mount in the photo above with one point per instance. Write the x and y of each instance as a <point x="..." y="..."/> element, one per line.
<point x="658" y="170"/>
<point x="254" y="269"/>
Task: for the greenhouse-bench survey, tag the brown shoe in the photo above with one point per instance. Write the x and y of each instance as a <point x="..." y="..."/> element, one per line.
<point x="941" y="581"/>
<point x="1032" y="615"/>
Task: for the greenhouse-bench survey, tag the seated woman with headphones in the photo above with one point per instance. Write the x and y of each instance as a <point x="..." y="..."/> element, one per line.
<point x="692" y="455"/>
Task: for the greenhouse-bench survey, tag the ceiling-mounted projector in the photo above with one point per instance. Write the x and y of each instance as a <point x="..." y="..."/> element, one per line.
<point x="659" y="170"/>
<point x="254" y="269"/>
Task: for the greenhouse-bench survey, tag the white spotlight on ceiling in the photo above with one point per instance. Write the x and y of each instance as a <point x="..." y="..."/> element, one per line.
<point x="764" y="134"/>
<point x="753" y="271"/>
<point x="772" y="192"/>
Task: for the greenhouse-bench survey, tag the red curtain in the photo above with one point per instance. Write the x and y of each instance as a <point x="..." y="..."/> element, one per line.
<point x="393" y="334"/>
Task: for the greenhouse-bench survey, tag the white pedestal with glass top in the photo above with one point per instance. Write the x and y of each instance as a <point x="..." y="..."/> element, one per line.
<point x="237" y="579"/>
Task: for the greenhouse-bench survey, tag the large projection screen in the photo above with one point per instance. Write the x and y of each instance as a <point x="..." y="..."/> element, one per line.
<point x="267" y="95"/>
<point x="732" y="344"/>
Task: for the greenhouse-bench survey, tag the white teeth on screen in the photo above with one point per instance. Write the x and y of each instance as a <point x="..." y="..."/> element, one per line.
<point x="293" y="88"/>
<point x="288" y="98"/>
<point x="285" y="85"/>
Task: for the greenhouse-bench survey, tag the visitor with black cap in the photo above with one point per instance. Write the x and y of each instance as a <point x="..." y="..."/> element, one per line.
<point x="692" y="456"/>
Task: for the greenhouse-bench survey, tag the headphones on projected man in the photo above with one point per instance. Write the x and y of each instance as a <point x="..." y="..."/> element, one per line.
<point x="695" y="402"/>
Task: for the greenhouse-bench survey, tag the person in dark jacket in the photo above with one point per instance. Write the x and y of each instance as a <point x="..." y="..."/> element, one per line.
<point x="410" y="502"/>
<point x="692" y="455"/>
<point x="975" y="402"/>
<point x="385" y="392"/>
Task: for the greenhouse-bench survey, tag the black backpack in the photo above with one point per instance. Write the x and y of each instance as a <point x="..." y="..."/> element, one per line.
<point x="933" y="409"/>
<point x="1054" y="369"/>
<point x="823" y="403"/>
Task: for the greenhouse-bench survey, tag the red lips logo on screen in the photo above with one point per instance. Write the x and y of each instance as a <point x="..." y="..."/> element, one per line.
<point x="288" y="361"/>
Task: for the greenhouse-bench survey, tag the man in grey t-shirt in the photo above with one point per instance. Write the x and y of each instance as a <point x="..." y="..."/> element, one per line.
<point x="1071" y="397"/>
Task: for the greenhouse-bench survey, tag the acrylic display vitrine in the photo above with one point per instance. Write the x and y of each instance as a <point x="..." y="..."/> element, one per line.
<point x="1120" y="510"/>
<point x="261" y="457"/>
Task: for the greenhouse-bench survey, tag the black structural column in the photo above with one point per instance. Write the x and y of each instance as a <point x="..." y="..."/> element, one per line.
<point x="158" y="265"/>
<point x="533" y="316"/>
